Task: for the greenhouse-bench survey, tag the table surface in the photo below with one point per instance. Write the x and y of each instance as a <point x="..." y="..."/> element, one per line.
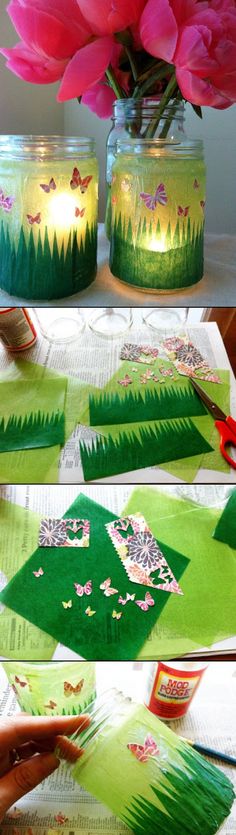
<point x="217" y="288"/>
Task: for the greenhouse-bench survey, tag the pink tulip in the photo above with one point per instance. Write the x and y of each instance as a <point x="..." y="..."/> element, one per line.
<point x="100" y="99"/>
<point x="86" y="68"/>
<point x="106" y="16"/>
<point x="31" y="66"/>
<point x="54" y="29"/>
<point x="199" y="38"/>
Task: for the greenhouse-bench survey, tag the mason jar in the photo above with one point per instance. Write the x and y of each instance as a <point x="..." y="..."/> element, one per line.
<point x="158" y="197"/>
<point x="61" y="688"/>
<point x="48" y="215"/>
<point x="133" y="118"/>
<point x="147" y="775"/>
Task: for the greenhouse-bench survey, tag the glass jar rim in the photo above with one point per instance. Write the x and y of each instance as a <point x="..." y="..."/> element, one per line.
<point x="162" y="147"/>
<point x="14" y="146"/>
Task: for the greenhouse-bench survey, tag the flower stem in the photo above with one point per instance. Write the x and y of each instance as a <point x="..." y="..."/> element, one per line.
<point x="162" y="72"/>
<point x="120" y="94"/>
<point x="132" y="62"/>
<point x="167" y="96"/>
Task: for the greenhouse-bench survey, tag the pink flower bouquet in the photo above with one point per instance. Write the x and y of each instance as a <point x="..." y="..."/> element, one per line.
<point x="101" y="51"/>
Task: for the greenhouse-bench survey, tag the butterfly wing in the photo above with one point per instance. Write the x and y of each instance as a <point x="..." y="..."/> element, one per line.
<point x="84" y="184"/>
<point x="79" y="589"/>
<point x="149" y="200"/>
<point x="79" y="686"/>
<point x="149" y="599"/>
<point x="150" y="746"/>
<point x="137" y="750"/>
<point x="45" y="188"/>
<point x="105" y="584"/>
<point x="52" y="184"/>
<point x="76" y="179"/>
<point x="88" y="587"/>
<point x="160" y="195"/>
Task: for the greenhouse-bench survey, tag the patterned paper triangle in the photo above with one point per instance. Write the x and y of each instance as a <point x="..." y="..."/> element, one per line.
<point x="140" y="554"/>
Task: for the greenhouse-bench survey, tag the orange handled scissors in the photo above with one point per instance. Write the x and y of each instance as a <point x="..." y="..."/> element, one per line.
<point x="226" y="425"/>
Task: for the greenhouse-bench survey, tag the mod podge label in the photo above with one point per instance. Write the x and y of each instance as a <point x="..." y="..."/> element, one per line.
<point x="172" y="691"/>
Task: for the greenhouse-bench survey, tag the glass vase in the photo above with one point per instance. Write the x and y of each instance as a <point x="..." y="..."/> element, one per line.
<point x="61" y="688"/>
<point x="149" y="777"/>
<point x="158" y="200"/>
<point x="48" y="215"/>
<point x="133" y="118"/>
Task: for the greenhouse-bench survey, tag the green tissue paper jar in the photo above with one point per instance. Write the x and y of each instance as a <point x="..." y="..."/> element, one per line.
<point x="61" y="688"/>
<point x="158" y="196"/>
<point x="48" y="215"/>
<point x="147" y="776"/>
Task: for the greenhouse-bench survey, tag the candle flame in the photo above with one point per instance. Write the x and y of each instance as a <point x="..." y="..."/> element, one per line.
<point x="62" y="210"/>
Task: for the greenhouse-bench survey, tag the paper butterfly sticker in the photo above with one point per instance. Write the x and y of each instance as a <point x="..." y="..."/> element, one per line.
<point x="38" y="573"/>
<point x="196" y="184"/>
<point x="143" y="753"/>
<point x="78" y="182"/>
<point x="116" y="615"/>
<point x="144" y="604"/>
<point x="81" y="590"/>
<point x="183" y="212"/>
<point x="124" y="600"/>
<point x="37" y="219"/>
<point x="50" y="187"/>
<point x="60" y="818"/>
<point x="79" y="212"/>
<point x="6" y="203"/>
<point x="67" y="605"/>
<point x="90" y="612"/>
<point x="151" y="200"/>
<point x="107" y="588"/>
<point x="51" y="705"/>
<point x="126" y="381"/>
<point x="69" y="689"/>
<point x="20" y="682"/>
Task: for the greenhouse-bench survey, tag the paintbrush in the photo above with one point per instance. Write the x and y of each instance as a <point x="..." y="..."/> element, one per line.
<point x="210" y="752"/>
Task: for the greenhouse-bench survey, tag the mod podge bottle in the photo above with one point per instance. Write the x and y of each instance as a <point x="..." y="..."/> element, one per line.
<point x="145" y="774"/>
<point x="17" y="331"/>
<point x="171" y="687"/>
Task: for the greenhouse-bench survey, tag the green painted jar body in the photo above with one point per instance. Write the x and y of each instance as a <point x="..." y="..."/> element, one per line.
<point x="48" y="216"/>
<point x="147" y="776"/>
<point x="158" y="200"/>
<point x="61" y="688"/>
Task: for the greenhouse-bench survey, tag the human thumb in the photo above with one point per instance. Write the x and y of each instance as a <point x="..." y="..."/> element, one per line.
<point x="25" y="777"/>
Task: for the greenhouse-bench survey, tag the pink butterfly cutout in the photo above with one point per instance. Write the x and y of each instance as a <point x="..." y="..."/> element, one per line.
<point x="124" y="600"/>
<point x="79" y="212"/>
<point x="38" y="573"/>
<point x="144" y="752"/>
<point x="151" y="201"/>
<point x="144" y="604"/>
<point x="81" y="590"/>
<point x="36" y="219"/>
<point x="50" y="187"/>
<point x="107" y="588"/>
<point x="196" y="184"/>
<point x="6" y="203"/>
<point x="183" y="212"/>
<point x="202" y="204"/>
<point x="126" y="381"/>
<point x="78" y="182"/>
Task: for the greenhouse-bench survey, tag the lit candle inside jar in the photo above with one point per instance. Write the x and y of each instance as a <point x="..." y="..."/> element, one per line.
<point x="158" y="203"/>
<point x="48" y="216"/>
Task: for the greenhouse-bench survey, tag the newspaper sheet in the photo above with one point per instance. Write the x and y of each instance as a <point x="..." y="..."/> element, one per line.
<point x="94" y="360"/>
<point x="210" y="721"/>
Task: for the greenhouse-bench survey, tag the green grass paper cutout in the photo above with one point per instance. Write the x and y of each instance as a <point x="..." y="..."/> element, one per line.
<point x="32" y="466"/>
<point x="32" y="413"/>
<point x="34" y="430"/>
<point x="226" y="528"/>
<point x="209" y="583"/>
<point x="157" y="270"/>
<point x="153" y="404"/>
<point x="174" y="792"/>
<point x="144" y="447"/>
<point x="32" y="270"/>
<point x="39" y="600"/>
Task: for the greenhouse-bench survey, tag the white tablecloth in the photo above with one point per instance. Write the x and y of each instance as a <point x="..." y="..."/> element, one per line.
<point x="217" y="288"/>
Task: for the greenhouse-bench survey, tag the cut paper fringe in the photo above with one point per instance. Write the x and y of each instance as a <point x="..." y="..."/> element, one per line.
<point x="167" y="441"/>
<point x="32" y="431"/>
<point x="154" y="404"/>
